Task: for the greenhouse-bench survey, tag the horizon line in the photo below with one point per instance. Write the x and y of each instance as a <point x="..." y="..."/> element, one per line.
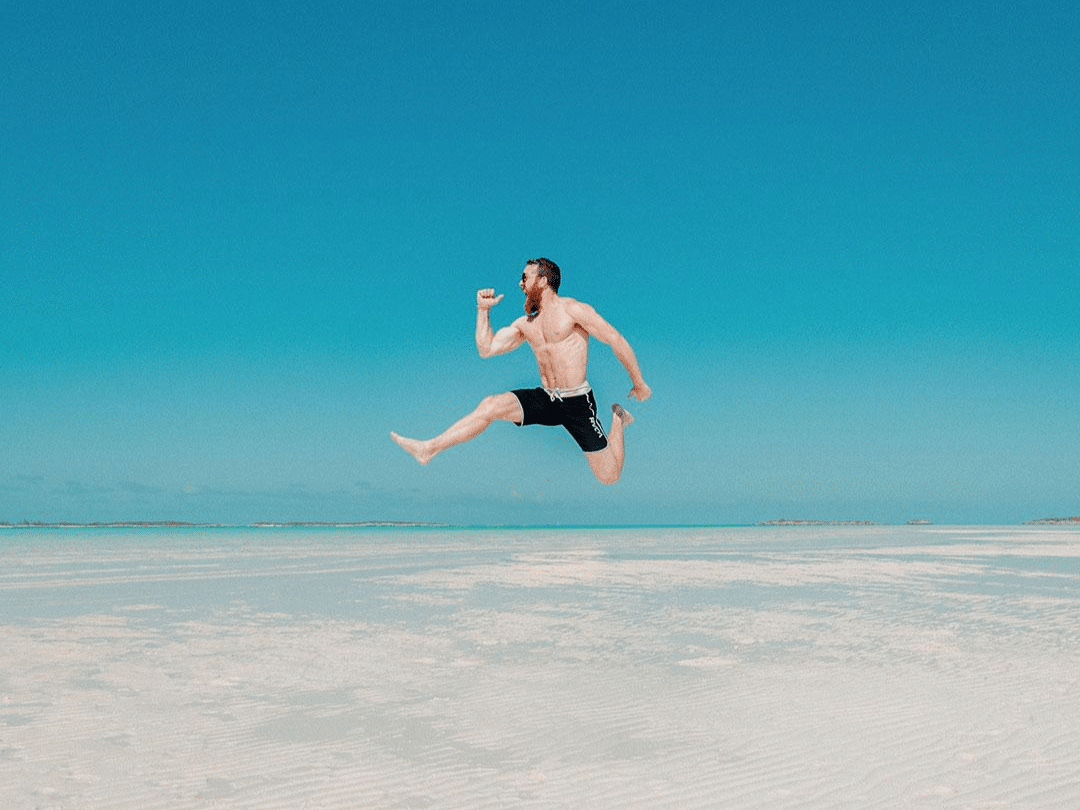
<point x="270" y="524"/>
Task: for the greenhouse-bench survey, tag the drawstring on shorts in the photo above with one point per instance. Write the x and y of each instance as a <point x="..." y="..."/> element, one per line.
<point x="559" y="393"/>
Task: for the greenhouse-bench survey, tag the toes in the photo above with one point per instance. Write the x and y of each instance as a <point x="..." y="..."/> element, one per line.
<point x="622" y="413"/>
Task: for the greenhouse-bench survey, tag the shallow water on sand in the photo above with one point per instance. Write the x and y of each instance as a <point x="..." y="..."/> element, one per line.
<point x="733" y="667"/>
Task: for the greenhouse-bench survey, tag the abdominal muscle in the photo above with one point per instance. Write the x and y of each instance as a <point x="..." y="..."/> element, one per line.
<point x="561" y="363"/>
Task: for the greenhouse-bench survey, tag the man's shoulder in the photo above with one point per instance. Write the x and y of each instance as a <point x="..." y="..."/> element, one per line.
<point x="579" y="310"/>
<point x="574" y="305"/>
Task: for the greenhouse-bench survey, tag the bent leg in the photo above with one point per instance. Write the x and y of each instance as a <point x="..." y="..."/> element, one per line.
<point x="607" y="464"/>
<point x="500" y="406"/>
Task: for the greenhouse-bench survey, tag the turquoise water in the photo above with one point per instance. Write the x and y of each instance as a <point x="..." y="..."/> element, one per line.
<point x="360" y="573"/>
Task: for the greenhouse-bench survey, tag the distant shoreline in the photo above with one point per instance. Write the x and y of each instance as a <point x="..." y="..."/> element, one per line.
<point x="360" y="524"/>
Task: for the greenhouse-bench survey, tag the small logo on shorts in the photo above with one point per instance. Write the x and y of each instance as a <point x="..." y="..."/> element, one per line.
<point x="597" y="426"/>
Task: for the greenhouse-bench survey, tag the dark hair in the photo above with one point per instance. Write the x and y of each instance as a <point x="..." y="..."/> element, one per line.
<point x="546" y="268"/>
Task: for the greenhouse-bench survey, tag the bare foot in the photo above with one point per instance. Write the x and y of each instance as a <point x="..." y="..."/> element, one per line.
<point x="414" y="447"/>
<point x="623" y="414"/>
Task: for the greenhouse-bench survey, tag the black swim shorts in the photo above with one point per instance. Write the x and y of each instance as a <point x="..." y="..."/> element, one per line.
<point x="575" y="413"/>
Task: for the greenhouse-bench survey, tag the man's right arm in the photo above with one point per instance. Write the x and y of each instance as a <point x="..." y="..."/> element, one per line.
<point x="489" y="342"/>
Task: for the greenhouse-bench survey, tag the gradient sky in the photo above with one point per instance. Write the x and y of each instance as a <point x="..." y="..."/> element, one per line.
<point x="241" y="243"/>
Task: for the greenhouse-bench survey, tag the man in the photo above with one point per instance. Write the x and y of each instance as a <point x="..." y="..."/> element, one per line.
<point x="557" y="329"/>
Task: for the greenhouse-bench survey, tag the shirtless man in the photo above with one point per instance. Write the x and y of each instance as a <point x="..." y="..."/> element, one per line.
<point x="557" y="329"/>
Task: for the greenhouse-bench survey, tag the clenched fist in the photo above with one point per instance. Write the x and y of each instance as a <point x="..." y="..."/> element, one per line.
<point x="486" y="298"/>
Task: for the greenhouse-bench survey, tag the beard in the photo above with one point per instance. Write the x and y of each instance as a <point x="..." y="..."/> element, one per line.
<point x="532" y="303"/>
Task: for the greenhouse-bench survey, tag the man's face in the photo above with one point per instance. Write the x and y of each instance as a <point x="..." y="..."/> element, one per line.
<point x="532" y="288"/>
<point x="528" y="278"/>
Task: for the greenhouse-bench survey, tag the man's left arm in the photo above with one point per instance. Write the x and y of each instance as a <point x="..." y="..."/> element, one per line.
<point x="603" y="331"/>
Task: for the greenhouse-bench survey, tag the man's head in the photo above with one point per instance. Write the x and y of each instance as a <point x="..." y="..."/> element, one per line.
<point x="539" y="275"/>
<point x="546" y="268"/>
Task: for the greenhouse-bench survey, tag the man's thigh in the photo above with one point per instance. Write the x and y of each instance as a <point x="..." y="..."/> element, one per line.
<point x="506" y="406"/>
<point x="604" y="465"/>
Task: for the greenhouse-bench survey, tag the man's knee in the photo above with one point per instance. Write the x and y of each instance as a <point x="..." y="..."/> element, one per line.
<point x="604" y="467"/>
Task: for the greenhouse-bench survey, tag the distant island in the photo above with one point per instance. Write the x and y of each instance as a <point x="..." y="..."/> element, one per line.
<point x="1055" y="521"/>
<point x="789" y="522"/>
<point x="920" y="522"/>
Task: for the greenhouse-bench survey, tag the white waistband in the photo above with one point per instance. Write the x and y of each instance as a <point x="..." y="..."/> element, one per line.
<point x="559" y="393"/>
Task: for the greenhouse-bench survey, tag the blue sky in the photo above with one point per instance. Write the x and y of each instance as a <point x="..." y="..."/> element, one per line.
<point x="241" y="244"/>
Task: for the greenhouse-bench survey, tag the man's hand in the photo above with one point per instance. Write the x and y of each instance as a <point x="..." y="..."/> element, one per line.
<point x="640" y="392"/>
<point x="486" y="299"/>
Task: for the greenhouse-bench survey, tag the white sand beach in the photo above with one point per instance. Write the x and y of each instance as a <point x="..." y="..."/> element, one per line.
<point x="828" y="667"/>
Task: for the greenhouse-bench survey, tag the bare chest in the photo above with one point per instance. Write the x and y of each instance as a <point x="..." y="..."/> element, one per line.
<point x="555" y="330"/>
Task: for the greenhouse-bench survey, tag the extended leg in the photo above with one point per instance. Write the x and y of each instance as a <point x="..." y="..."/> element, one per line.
<point x="607" y="464"/>
<point x="500" y="406"/>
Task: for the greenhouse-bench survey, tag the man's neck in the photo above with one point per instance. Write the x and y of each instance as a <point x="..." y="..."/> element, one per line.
<point x="548" y="298"/>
